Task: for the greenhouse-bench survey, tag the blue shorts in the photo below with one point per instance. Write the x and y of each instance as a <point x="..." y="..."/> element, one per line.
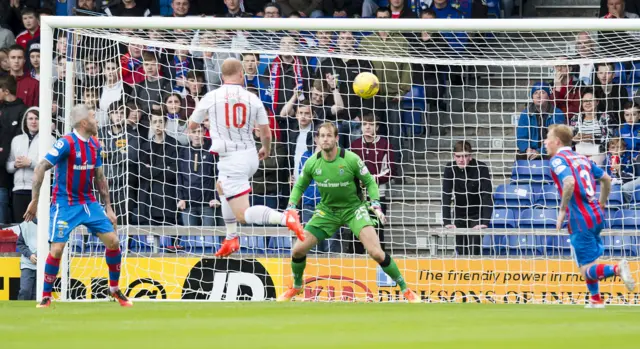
<point x="64" y="219"/>
<point x="587" y="245"/>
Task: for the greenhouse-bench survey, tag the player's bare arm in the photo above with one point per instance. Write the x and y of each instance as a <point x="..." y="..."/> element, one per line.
<point x="265" y="140"/>
<point x="103" y="188"/>
<point x="605" y="185"/>
<point x="568" y="185"/>
<point x="38" y="178"/>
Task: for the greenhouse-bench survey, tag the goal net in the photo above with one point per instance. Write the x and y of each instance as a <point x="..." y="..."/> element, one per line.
<point x="482" y="82"/>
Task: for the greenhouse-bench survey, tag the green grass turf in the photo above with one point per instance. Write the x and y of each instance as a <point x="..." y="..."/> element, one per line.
<point x="316" y="325"/>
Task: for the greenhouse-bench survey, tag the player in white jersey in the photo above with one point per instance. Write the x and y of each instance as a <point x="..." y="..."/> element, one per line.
<point x="233" y="113"/>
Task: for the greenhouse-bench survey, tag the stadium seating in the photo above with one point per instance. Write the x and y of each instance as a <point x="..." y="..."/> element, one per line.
<point x="513" y="196"/>
<point x="616" y="246"/>
<point x="616" y="199"/>
<point x="503" y="218"/>
<point x="525" y="245"/>
<point x="494" y="245"/>
<point x="548" y="197"/>
<point x="279" y="245"/>
<point x="199" y="244"/>
<point x="626" y="219"/>
<point x="558" y="245"/>
<point x="533" y="172"/>
<point x="252" y="244"/>
<point x="142" y="243"/>
<point x="538" y="218"/>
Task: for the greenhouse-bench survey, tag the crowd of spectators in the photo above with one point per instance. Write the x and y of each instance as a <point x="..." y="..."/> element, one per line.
<point x="143" y="96"/>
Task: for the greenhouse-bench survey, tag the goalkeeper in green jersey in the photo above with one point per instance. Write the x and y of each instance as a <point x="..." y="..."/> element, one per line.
<point x="337" y="173"/>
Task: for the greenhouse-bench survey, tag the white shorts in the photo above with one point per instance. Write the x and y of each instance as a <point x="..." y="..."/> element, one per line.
<point x="235" y="171"/>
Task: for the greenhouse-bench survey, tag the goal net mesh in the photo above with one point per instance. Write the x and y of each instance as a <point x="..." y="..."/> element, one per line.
<point x="437" y="88"/>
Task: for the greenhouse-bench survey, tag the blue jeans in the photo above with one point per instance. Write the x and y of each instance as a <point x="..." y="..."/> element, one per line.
<point x="200" y="216"/>
<point x="4" y="206"/>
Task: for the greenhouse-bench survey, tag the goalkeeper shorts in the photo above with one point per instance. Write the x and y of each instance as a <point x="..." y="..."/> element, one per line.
<point x="325" y="222"/>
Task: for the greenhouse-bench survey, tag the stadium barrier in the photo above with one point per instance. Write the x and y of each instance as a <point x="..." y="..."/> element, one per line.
<point x="346" y="279"/>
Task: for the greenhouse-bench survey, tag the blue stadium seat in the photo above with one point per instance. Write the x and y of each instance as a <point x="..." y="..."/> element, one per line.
<point x="610" y="217"/>
<point x="165" y="241"/>
<point x="494" y="245"/>
<point x="413" y="107"/>
<point x="76" y="243"/>
<point x="252" y="244"/>
<point x="548" y="197"/>
<point x="142" y="243"/>
<point x="279" y="245"/>
<point x="198" y="244"/>
<point x="626" y="219"/>
<point x="538" y="218"/>
<point x="525" y="245"/>
<point x="94" y="245"/>
<point x="616" y="199"/>
<point x="559" y="245"/>
<point x="513" y="195"/>
<point x="619" y="245"/>
<point x="528" y="172"/>
<point x="502" y="218"/>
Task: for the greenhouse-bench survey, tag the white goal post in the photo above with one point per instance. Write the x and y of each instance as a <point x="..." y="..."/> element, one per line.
<point x="429" y="236"/>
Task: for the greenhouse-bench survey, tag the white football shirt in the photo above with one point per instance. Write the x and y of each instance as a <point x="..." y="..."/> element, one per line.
<point x="233" y="113"/>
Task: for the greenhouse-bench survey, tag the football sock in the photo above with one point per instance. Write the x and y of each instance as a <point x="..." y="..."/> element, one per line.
<point x="113" y="258"/>
<point x="51" y="268"/>
<point x="389" y="266"/>
<point x="297" y="267"/>
<point x="263" y="215"/>
<point x="594" y="288"/>
<point x="229" y="219"/>
<point x="601" y="271"/>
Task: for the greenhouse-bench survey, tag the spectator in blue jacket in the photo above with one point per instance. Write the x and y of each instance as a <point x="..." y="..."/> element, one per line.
<point x="535" y="121"/>
<point x="196" y="183"/>
<point x="630" y="130"/>
<point x="27" y="244"/>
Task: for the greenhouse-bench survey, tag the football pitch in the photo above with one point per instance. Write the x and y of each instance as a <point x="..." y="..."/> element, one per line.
<point x="316" y="325"/>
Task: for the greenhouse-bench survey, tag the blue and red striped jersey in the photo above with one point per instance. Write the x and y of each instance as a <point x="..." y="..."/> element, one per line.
<point x="75" y="161"/>
<point x="584" y="210"/>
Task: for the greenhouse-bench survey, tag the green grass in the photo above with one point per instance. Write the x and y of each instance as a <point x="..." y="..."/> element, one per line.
<point x="315" y="325"/>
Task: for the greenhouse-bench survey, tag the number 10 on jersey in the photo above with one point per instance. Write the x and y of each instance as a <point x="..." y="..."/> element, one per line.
<point x="235" y="115"/>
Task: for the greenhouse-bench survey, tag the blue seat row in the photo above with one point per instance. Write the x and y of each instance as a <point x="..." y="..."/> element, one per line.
<point x="545" y="218"/>
<point x="536" y="245"/>
<point x="547" y="195"/>
<point x="191" y="244"/>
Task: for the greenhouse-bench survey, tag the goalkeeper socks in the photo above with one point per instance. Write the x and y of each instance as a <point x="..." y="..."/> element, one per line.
<point x="297" y="267"/>
<point x="263" y="215"/>
<point x="594" y="288"/>
<point x="113" y="258"/>
<point x="51" y="268"/>
<point x="390" y="268"/>
<point x="601" y="271"/>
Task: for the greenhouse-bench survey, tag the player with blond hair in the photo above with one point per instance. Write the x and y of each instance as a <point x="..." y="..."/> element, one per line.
<point x="233" y="112"/>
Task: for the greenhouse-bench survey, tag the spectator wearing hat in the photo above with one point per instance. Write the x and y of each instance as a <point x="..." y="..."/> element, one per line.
<point x="33" y="51"/>
<point x="534" y="122"/>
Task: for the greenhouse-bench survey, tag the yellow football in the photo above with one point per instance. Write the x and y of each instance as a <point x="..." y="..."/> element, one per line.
<point x="366" y="85"/>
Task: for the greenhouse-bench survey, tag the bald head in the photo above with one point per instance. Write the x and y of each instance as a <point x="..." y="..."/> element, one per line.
<point x="232" y="71"/>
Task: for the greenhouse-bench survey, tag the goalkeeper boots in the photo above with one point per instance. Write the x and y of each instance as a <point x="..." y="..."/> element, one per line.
<point x="293" y="223"/>
<point x="44" y="303"/>
<point x="121" y="298"/>
<point x="228" y="247"/>
<point x="411" y="296"/>
<point x="289" y="294"/>
<point x="625" y="275"/>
